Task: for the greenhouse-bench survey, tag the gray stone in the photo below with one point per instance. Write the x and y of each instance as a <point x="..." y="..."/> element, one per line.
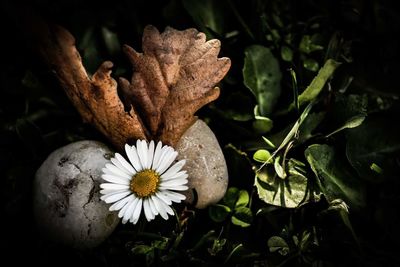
<point x="67" y="203"/>
<point x="205" y="164"/>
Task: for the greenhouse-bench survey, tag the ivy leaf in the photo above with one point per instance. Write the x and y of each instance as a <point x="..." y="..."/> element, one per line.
<point x="334" y="180"/>
<point x="262" y="75"/>
<point x="288" y="193"/>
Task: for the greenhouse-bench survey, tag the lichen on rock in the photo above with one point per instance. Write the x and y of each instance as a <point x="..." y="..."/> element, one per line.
<point x="67" y="204"/>
<point x="205" y="164"/>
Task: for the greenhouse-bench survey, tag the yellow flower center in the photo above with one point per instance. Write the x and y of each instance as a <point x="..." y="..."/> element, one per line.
<point x="144" y="183"/>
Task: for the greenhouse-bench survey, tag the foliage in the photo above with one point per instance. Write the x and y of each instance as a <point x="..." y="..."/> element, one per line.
<point x="307" y="120"/>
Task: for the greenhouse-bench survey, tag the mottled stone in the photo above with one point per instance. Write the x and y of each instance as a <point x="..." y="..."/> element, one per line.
<point x="67" y="203"/>
<point x="205" y="164"/>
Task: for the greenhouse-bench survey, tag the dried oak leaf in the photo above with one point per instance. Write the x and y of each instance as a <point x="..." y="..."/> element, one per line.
<point x="173" y="78"/>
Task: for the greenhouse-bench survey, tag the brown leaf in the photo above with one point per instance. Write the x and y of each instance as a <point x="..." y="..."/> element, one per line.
<point x="95" y="98"/>
<point x="173" y="78"/>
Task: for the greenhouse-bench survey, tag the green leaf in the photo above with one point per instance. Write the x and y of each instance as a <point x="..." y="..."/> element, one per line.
<point x="162" y="244"/>
<point x="295" y="89"/>
<point x="207" y="14"/>
<point x="262" y="75"/>
<point x="231" y="197"/>
<point x="262" y="156"/>
<point x="376" y="168"/>
<point x="262" y="125"/>
<point x="316" y="85"/>
<point x="343" y="210"/>
<point x="348" y="112"/>
<point x="141" y="249"/>
<point x="242" y="217"/>
<point x="268" y="142"/>
<point x="296" y="167"/>
<point x="243" y="199"/>
<point x="218" y="245"/>
<point x="373" y="142"/>
<point x="278" y="168"/>
<point x="335" y="181"/>
<point x="310" y="64"/>
<point x="288" y="193"/>
<point x="204" y="239"/>
<point x="307" y="45"/>
<point x="295" y="128"/>
<point x="351" y="123"/>
<point x="286" y="53"/>
<point x="278" y="244"/>
<point x="218" y="212"/>
<point x="111" y="41"/>
<point x="309" y="125"/>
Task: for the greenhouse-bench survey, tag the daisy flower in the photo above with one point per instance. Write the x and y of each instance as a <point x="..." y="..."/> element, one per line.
<point x="146" y="181"/>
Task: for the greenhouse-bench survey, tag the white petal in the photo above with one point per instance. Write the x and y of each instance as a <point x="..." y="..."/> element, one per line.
<point x="113" y="197"/>
<point x="175" y="187"/>
<point x="174" y="196"/>
<point x="118" y="164"/>
<point x="156" y="157"/>
<point x="173" y="182"/>
<point x="133" y="157"/>
<point x="167" y="161"/>
<point x="171" y="175"/>
<point x="117" y="171"/>
<point x="120" y="204"/>
<point x="160" y="207"/>
<point x="147" y="210"/>
<point x="115" y="179"/>
<point x="150" y="154"/>
<point x="164" y="198"/>
<point x="153" y="207"/>
<point x="136" y="213"/>
<point x="176" y="167"/>
<point x="108" y="191"/>
<point x="165" y="151"/>
<point x="142" y="152"/>
<point x="125" y="164"/>
<point x="114" y="186"/>
<point x="169" y="210"/>
<point x="121" y="213"/>
<point x="129" y="211"/>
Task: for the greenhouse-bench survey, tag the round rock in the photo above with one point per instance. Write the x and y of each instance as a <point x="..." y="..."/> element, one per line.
<point x="205" y="164"/>
<point x="67" y="203"/>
